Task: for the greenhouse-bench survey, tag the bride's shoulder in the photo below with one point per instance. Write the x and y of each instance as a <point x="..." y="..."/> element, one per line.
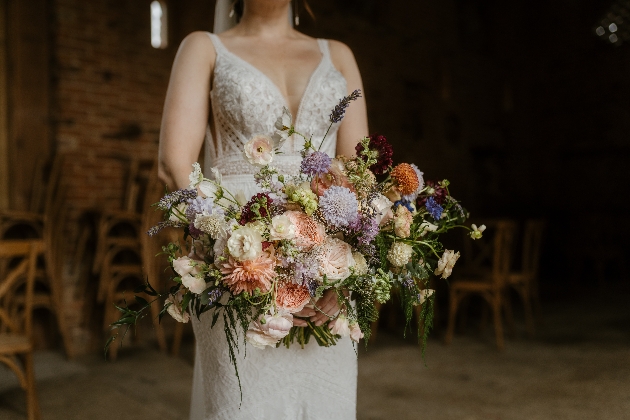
<point x="199" y="44"/>
<point x="341" y="56"/>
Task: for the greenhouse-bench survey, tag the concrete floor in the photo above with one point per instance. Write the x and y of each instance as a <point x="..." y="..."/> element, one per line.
<point x="578" y="367"/>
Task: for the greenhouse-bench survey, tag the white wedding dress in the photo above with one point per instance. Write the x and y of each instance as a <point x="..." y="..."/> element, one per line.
<point x="278" y="383"/>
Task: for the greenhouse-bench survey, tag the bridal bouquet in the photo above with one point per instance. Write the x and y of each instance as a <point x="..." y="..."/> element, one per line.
<point x="358" y="226"/>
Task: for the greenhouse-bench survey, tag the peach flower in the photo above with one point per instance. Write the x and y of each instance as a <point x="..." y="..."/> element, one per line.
<point x="246" y="276"/>
<point x="259" y="150"/>
<point x="402" y="222"/>
<point x="269" y="329"/>
<point x="335" y="176"/>
<point x="335" y="259"/>
<point x="292" y="297"/>
<point x="355" y="332"/>
<point x="307" y="231"/>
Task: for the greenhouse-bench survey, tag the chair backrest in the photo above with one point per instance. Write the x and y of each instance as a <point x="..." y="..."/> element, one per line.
<point x="503" y="241"/>
<point x="18" y="281"/>
<point x="532" y="244"/>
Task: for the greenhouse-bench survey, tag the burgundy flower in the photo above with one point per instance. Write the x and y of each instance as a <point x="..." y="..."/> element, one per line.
<point x="385" y="152"/>
<point x="439" y="194"/>
<point x="260" y="202"/>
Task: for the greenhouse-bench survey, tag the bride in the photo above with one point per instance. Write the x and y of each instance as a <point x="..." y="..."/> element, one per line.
<point x="224" y="88"/>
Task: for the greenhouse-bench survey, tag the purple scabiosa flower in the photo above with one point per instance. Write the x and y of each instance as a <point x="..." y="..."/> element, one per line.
<point x="339" y="206"/>
<point x="414" y="195"/>
<point x="366" y="228"/>
<point x="340" y="110"/>
<point x="316" y="163"/>
<point x="434" y="208"/>
<point x="200" y="205"/>
<point x="176" y="197"/>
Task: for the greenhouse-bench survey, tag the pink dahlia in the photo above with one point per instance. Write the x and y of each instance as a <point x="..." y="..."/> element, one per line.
<point x="307" y="231"/>
<point x="246" y="276"/>
<point x="292" y="297"/>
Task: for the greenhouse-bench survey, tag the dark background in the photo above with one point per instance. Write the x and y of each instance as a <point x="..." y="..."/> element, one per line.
<point x="518" y="103"/>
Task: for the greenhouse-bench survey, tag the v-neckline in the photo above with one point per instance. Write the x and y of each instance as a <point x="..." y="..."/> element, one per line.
<point x="275" y="86"/>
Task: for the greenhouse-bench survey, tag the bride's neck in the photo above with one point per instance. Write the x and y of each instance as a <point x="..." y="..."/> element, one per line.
<point x="264" y="19"/>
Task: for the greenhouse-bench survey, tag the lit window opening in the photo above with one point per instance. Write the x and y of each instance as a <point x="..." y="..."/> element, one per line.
<point x="158" y="25"/>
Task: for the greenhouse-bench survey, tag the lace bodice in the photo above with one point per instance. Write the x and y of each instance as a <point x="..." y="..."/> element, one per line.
<point x="246" y="102"/>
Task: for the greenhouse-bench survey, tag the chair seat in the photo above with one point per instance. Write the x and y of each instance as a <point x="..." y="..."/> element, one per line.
<point x="469" y="284"/>
<point x="518" y="277"/>
<point x="21" y="215"/>
<point x="14" y="343"/>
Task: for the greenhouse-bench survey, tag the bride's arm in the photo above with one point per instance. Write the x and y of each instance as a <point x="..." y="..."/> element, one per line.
<point x="354" y="125"/>
<point x="185" y="115"/>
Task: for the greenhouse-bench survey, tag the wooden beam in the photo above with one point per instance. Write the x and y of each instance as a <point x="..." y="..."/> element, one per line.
<point x="4" y="131"/>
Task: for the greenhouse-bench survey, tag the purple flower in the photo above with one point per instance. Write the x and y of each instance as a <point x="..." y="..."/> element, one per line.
<point x="167" y="223"/>
<point x="434" y="208"/>
<point x="340" y="110"/>
<point x="339" y="206"/>
<point x="200" y="205"/>
<point x="170" y="199"/>
<point x="366" y="228"/>
<point x="316" y="163"/>
<point x="214" y="295"/>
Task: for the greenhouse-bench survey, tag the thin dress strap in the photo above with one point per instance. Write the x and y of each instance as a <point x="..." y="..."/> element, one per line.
<point x="323" y="47"/>
<point x="218" y="45"/>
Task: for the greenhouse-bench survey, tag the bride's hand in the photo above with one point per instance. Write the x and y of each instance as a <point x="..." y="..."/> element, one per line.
<point x="304" y="313"/>
<point x="326" y="306"/>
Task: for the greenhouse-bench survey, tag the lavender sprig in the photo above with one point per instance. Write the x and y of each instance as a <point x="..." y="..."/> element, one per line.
<point x="339" y="111"/>
<point x="167" y="223"/>
<point x="176" y="197"/>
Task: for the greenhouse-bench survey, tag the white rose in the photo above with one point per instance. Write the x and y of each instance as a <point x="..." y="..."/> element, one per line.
<point x="281" y="228"/>
<point x="360" y="265"/>
<point x="382" y="206"/>
<point x="195" y="284"/>
<point x="245" y="243"/>
<point x="269" y="329"/>
<point x="259" y="150"/>
<point x="340" y="326"/>
<point x="355" y="332"/>
<point x="446" y="263"/>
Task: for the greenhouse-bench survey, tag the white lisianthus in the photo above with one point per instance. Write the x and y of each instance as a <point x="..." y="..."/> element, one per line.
<point x="281" y="228"/>
<point x="360" y="265"/>
<point x="426" y="227"/>
<point x="283" y="128"/>
<point x="259" y="150"/>
<point x="477" y="232"/>
<point x="399" y="254"/>
<point x="174" y="309"/>
<point x="269" y="329"/>
<point x="196" y="176"/>
<point x="446" y="263"/>
<point x="240" y="198"/>
<point x="208" y="188"/>
<point x="355" y="332"/>
<point x="212" y="224"/>
<point x="185" y="265"/>
<point x="178" y="213"/>
<point x="194" y="283"/>
<point x="425" y="294"/>
<point x="382" y="206"/>
<point x="340" y="326"/>
<point x="245" y="243"/>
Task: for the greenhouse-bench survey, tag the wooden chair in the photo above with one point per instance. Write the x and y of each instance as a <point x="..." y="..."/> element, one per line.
<point x="115" y="274"/>
<point x="119" y="229"/>
<point x="525" y="281"/>
<point x="491" y="285"/>
<point x="16" y="301"/>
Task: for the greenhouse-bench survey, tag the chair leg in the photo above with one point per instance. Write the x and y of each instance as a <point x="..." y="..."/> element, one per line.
<point x="374" y="326"/>
<point x="31" y="390"/>
<point x="529" y="315"/>
<point x="498" y="323"/>
<point x="463" y="317"/>
<point x="177" y="338"/>
<point x="452" y="314"/>
<point x="509" y="314"/>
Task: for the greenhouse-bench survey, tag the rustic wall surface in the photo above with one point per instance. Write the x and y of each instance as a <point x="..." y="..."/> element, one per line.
<point x="517" y="103"/>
